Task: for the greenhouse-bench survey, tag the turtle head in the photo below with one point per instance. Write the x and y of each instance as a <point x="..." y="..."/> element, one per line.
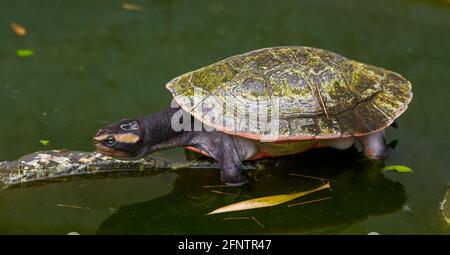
<point x="121" y="139"/>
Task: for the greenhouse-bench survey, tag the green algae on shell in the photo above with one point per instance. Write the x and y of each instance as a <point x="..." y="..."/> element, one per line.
<point x="323" y="95"/>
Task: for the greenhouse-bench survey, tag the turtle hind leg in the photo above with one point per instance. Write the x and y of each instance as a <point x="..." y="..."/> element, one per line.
<point x="340" y="143"/>
<point x="230" y="172"/>
<point x="373" y="145"/>
<point x="230" y="163"/>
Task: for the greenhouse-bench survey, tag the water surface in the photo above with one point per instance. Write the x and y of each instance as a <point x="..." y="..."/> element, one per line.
<point x="95" y="63"/>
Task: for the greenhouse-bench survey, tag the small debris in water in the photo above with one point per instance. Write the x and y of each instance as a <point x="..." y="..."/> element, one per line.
<point x="24" y="53"/>
<point x="445" y="207"/>
<point x="44" y="142"/>
<point x="246" y="218"/>
<point x="373" y="233"/>
<point x="18" y="29"/>
<point x="312" y="177"/>
<point x="132" y="7"/>
<point x="216" y="186"/>
<point x="73" y="206"/>
<point x="236" y="218"/>
<point x="224" y="193"/>
<point x="257" y="222"/>
<point x="309" y="202"/>
<point x="406" y="208"/>
<point x="73" y="234"/>
<point x="397" y="168"/>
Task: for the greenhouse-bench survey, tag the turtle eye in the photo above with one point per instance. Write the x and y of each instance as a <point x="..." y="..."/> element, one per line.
<point x="110" y="141"/>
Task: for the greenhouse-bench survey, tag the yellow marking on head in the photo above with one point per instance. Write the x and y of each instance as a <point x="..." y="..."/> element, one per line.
<point x="126" y="138"/>
<point x="122" y="138"/>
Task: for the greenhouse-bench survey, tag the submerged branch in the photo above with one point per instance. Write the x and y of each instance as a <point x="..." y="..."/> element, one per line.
<point x="60" y="165"/>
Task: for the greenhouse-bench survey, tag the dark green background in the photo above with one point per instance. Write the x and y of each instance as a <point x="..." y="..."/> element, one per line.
<point x="95" y="63"/>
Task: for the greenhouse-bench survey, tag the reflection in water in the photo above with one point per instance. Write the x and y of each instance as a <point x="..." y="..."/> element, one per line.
<point x="166" y="8"/>
<point x="105" y="64"/>
<point x="359" y="191"/>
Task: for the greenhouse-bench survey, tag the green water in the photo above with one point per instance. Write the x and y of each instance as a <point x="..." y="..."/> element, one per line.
<point x="95" y="63"/>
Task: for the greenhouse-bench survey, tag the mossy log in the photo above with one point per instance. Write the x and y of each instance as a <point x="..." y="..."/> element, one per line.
<point x="61" y="165"/>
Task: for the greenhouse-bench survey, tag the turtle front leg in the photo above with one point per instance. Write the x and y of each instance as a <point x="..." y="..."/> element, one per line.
<point x="373" y="145"/>
<point x="223" y="149"/>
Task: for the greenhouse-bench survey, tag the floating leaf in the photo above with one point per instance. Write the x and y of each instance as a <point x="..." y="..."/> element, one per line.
<point x="132" y="7"/>
<point x="398" y="168"/>
<point x="266" y="201"/>
<point x="24" y="53"/>
<point x="44" y="142"/>
<point x="18" y="29"/>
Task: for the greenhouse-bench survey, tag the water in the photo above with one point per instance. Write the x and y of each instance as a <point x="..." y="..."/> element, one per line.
<point x="95" y="63"/>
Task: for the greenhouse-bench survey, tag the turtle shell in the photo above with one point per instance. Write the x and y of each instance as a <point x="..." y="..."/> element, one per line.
<point x="292" y="93"/>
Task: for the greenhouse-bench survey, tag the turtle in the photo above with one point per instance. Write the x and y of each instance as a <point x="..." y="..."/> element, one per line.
<point x="268" y="102"/>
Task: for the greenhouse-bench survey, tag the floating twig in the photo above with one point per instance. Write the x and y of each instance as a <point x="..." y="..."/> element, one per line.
<point x="224" y="193"/>
<point x="313" y="177"/>
<point x="257" y="222"/>
<point x="217" y="186"/>
<point x="236" y="218"/>
<point x="73" y="206"/>
<point x="322" y="103"/>
<point x="246" y="218"/>
<point x="309" y="202"/>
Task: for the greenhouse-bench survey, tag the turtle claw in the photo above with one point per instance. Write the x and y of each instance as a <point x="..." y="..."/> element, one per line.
<point x="395" y="124"/>
<point x="388" y="152"/>
<point x="236" y="184"/>
<point x="235" y="180"/>
<point x="392" y="144"/>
